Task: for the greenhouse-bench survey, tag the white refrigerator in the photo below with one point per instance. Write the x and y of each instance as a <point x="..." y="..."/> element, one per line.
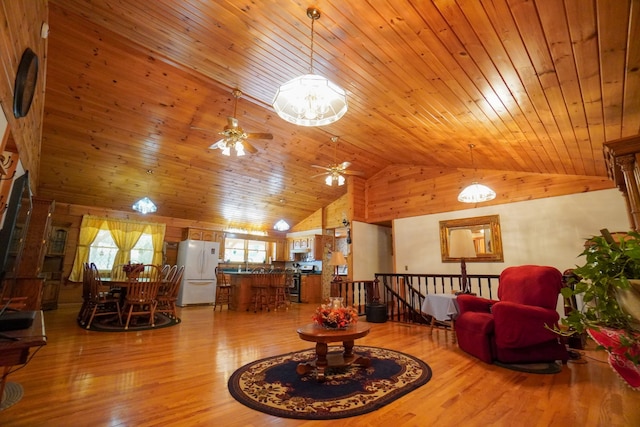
<point x="200" y="260"/>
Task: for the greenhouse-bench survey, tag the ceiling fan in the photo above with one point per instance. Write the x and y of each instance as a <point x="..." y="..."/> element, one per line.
<point x="234" y="136"/>
<point x="336" y="172"/>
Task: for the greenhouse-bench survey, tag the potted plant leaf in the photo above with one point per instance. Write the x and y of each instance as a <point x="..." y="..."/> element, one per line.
<point x="608" y="285"/>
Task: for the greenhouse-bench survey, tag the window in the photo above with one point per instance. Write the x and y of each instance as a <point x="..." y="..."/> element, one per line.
<point x="103" y="250"/>
<point x="235" y="250"/>
<point x="256" y="251"/>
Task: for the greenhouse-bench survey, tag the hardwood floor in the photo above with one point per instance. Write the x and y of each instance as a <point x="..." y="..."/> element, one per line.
<point x="178" y="376"/>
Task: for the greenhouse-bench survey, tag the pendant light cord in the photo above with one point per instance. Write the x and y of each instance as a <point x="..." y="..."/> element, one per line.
<point x="311" y="56"/>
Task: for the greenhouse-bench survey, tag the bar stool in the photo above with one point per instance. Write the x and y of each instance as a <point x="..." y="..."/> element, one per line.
<point x="278" y="293"/>
<point x="223" y="291"/>
<point x="259" y="291"/>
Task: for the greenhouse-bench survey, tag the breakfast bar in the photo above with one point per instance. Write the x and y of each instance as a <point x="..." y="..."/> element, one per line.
<point x="240" y="290"/>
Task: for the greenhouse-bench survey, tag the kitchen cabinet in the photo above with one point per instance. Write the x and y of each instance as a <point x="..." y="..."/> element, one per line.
<point x="52" y="267"/>
<point x="311" y="247"/>
<point x="311" y="288"/>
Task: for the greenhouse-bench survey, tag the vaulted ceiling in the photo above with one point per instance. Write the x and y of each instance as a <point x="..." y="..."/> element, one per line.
<point x="536" y="86"/>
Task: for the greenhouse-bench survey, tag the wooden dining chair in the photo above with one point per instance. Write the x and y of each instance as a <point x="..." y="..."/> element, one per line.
<point x="101" y="301"/>
<point x="86" y="295"/>
<point x="168" y="294"/>
<point x="169" y="272"/>
<point x="165" y="271"/>
<point x="142" y="291"/>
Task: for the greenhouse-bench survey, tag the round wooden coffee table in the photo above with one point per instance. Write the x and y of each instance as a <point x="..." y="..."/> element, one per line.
<point x="322" y="336"/>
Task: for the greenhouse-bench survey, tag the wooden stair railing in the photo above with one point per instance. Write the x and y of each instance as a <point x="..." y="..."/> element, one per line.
<point x="403" y="294"/>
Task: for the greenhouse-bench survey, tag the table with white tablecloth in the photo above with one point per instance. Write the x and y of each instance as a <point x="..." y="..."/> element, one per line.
<point x="443" y="308"/>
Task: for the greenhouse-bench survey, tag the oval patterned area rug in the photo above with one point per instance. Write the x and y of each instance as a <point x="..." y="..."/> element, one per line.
<point x="111" y="324"/>
<point x="272" y="386"/>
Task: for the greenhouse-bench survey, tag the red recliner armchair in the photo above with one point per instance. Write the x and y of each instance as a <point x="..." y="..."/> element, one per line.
<point x="512" y="329"/>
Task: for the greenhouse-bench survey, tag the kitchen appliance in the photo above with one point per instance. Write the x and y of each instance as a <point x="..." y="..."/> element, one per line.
<point x="294" y="291"/>
<point x="200" y="259"/>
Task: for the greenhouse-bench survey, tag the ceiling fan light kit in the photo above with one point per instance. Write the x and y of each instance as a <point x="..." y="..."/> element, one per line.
<point x="334" y="177"/>
<point x="310" y="100"/>
<point x="337" y="171"/>
<point x="476" y="193"/>
<point x="234" y="137"/>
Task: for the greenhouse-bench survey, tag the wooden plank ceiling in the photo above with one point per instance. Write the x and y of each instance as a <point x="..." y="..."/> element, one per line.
<point x="537" y="86"/>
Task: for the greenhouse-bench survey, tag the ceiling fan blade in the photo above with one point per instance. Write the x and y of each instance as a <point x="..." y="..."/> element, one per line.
<point x="202" y="129"/>
<point x="320" y="167"/>
<point x="258" y="135"/>
<point x="357" y="173"/>
<point x="216" y="145"/>
<point x="232" y="122"/>
<point x="321" y="174"/>
<point x="249" y="148"/>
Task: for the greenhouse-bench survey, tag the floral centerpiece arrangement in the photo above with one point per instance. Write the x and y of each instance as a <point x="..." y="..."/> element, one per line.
<point x="130" y="269"/>
<point x="335" y="315"/>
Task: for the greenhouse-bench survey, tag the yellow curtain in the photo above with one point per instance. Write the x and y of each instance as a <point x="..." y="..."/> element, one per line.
<point x="89" y="229"/>
<point x="125" y="233"/>
<point x="157" y="237"/>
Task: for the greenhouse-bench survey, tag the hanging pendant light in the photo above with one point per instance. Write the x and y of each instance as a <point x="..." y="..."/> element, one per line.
<point x="476" y="193"/>
<point x="145" y="205"/>
<point x="310" y="100"/>
<point x="281" y="225"/>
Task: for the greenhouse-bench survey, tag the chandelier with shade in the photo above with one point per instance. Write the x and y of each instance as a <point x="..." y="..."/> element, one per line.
<point x="476" y="193"/>
<point x="310" y="100"/>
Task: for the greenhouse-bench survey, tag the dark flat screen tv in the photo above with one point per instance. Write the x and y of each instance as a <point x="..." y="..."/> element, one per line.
<point x="14" y="228"/>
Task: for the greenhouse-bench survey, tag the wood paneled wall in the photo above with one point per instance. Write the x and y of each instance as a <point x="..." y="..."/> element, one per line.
<point x="336" y="211"/>
<point x="20" y="29"/>
<point x="312" y="222"/>
<point x="405" y="191"/>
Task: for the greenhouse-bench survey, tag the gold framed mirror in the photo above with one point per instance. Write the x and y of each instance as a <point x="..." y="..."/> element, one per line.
<point x="485" y="233"/>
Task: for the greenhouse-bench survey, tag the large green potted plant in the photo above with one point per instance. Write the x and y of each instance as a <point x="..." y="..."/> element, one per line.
<point x="608" y="285"/>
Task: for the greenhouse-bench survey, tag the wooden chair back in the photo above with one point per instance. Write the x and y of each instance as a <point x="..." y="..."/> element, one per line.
<point x="118" y="273"/>
<point x="143" y="288"/>
<point x="168" y="296"/>
<point x="96" y="288"/>
<point x="169" y="273"/>
<point x="170" y="286"/>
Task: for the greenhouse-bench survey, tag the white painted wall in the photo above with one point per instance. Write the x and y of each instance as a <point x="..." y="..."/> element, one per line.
<point x="547" y="231"/>
<point x="371" y="250"/>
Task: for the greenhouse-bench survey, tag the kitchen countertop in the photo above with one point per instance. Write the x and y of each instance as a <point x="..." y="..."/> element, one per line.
<point x="315" y="273"/>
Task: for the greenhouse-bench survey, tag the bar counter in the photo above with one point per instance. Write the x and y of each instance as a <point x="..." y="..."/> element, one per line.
<point x="240" y="290"/>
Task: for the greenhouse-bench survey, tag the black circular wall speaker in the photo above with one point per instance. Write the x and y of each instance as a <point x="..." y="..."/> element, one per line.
<point x="25" y="85"/>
